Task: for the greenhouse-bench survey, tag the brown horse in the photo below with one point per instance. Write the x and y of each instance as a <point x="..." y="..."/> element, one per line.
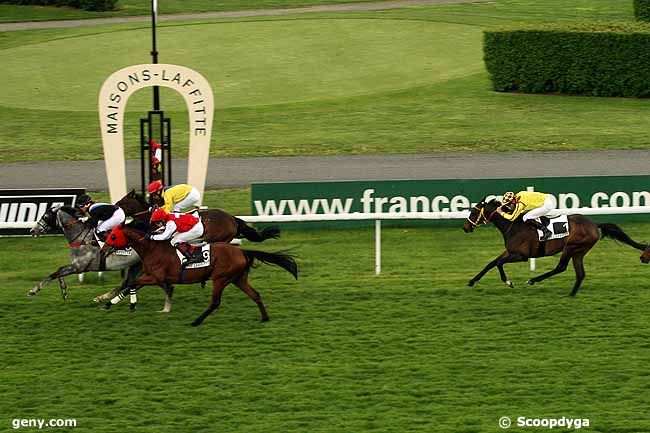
<point x="522" y="242"/>
<point x="219" y="226"/>
<point x="228" y="264"/>
<point x="645" y="256"/>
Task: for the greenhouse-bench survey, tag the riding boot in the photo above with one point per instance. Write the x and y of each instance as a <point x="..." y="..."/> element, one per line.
<point x="546" y="232"/>
<point x="190" y="253"/>
<point x="101" y="235"/>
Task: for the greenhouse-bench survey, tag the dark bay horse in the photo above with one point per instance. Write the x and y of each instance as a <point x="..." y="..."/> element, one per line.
<point x="521" y="242"/>
<point x="645" y="256"/>
<point x="228" y="264"/>
<point x="84" y="251"/>
<point x="219" y="226"/>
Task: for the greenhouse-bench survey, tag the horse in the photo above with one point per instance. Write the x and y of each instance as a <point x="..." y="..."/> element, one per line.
<point x="219" y="226"/>
<point x="645" y="256"/>
<point x="84" y="251"/>
<point x="521" y="242"/>
<point x="228" y="264"/>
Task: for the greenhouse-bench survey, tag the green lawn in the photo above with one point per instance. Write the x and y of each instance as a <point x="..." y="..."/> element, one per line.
<point x="12" y="13"/>
<point x="412" y="350"/>
<point x="398" y="81"/>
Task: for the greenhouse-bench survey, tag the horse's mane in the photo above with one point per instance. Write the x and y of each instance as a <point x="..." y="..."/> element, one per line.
<point x="73" y="212"/>
<point x="139" y="225"/>
<point x="140" y="198"/>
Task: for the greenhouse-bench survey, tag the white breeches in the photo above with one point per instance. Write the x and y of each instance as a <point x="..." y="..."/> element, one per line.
<point x="190" y="200"/>
<point x="117" y="218"/>
<point x="193" y="234"/>
<point x="545" y="209"/>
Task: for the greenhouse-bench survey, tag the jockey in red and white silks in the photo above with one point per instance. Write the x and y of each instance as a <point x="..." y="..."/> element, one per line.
<point x="182" y="229"/>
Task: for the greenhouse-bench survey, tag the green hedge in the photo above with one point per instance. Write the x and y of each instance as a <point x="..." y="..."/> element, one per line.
<point x="642" y="10"/>
<point x="594" y="60"/>
<point x="89" y="5"/>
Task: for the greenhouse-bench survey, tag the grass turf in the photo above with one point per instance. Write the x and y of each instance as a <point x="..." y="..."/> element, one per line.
<point x="411" y="350"/>
<point x="398" y="81"/>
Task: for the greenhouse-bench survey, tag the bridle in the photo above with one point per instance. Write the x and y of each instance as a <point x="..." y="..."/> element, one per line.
<point x="481" y="219"/>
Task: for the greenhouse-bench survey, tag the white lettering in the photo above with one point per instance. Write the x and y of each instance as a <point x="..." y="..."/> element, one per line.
<point x="597" y="198"/>
<point x="422" y="200"/>
<point x="399" y="205"/>
<point x="435" y="203"/>
<point x="625" y="199"/>
<point x="575" y="201"/>
<point x="459" y="203"/>
<point x="637" y="196"/>
<point x="366" y="200"/>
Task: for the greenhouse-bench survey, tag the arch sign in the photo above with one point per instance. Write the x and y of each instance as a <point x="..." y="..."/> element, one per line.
<point x="113" y="97"/>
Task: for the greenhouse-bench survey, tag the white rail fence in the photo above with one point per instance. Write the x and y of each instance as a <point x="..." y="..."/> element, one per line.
<point x="379" y="217"/>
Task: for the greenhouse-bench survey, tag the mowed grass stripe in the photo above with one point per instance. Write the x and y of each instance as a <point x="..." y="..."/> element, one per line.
<point x="410" y="350"/>
<point x="312" y="103"/>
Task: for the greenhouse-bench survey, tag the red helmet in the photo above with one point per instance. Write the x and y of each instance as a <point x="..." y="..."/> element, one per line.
<point x="159" y="215"/>
<point x="155" y="186"/>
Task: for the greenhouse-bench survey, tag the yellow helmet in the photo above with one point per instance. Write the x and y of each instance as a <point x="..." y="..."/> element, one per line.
<point x="508" y="197"/>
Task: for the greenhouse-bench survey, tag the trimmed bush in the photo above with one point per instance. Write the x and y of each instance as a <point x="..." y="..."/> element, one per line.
<point x="89" y="5"/>
<point x="593" y="60"/>
<point x="642" y="10"/>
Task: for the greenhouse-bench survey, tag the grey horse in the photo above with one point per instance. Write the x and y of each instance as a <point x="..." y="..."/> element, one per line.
<point x="85" y="254"/>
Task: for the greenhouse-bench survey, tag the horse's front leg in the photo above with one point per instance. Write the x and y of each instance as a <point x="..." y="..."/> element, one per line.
<point x="485" y="270"/>
<point x="505" y="257"/>
<point x="64" y="288"/>
<point x="60" y="273"/>
<point x="169" y="292"/>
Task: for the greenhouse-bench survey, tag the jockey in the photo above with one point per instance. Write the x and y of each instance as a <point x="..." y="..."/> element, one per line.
<point x="181" y="228"/>
<point x="531" y="204"/>
<point x="102" y="216"/>
<point x="177" y="197"/>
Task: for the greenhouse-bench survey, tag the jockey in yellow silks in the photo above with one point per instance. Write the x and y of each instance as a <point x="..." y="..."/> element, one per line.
<point x="529" y="203"/>
<point x="177" y="198"/>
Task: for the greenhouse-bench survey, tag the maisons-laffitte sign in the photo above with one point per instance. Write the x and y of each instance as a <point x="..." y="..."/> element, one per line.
<point x="113" y="97"/>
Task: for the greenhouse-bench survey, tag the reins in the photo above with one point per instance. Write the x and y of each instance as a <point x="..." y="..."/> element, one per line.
<point x="480" y="217"/>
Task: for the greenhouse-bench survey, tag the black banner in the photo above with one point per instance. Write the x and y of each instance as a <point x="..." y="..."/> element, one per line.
<point x="21" y="208"/>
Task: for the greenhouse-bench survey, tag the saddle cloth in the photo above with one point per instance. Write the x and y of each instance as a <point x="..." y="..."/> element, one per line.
<point x="205" y="252"/>
<point x="558" y="226"/>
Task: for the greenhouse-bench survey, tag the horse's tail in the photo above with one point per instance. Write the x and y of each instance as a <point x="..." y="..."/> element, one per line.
<point x="253" y="235"/>
<point x="613" y="231"/>
<point x="280" y="258"/>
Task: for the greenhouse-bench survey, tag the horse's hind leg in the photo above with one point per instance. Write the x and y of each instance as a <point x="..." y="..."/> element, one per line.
<point x="579" y="267"/>
<point x="561" y="267"/>
<point x="131" y="275"/>
<point x="242" y="283"/>
<point x="218" y="284"/>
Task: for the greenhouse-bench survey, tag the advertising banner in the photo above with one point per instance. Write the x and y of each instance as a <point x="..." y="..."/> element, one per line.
<point x="397" y="196"/>
<point x="21" y="208"/>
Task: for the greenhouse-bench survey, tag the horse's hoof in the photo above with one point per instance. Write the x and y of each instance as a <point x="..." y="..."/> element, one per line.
<point x="30" y="293"/>
<point x="97" y="299"/>
<point x="131" y="308"/>
<point x="265" y="319"/>
<point x="471" y="283"/>
<point x="195" y="324"/>
<point x="530" y="282"/>
<point x="163" y="311"/>
<point x="510" y="284"/>
<point x="107" y="306"/>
